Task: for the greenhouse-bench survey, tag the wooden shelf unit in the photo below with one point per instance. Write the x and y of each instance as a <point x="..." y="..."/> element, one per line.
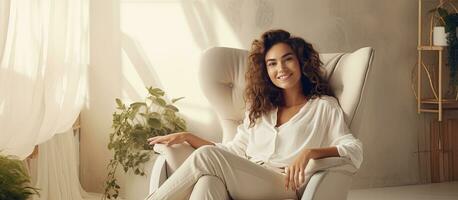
<point x="424" y="104"/>
<point x="430" y="48"/>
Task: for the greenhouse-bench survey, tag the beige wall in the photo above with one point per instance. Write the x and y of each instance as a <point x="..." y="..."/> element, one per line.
<point x="161" y="41"/>
<point x="4" y="15"/>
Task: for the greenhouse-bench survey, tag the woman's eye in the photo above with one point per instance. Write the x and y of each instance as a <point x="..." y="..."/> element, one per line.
<point x="271" y="64"/>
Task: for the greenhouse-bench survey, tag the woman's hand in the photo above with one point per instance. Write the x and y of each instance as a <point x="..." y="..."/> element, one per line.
<point x="295" y="173"/>
<point x="174" y="138"/>
<point x="178" y="138"/>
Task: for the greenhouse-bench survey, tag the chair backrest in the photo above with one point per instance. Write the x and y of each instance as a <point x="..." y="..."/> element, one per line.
<point x="222" y="78"/>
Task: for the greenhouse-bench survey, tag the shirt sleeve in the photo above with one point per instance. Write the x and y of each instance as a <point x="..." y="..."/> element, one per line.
<point x="339" y="135"/>
<point x="239" y="144"/>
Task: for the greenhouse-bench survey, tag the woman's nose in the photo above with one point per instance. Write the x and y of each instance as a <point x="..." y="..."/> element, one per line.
<point x="281" y="65"/>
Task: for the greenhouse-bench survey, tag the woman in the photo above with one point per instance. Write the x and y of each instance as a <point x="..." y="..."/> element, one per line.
<point x="291" y="118"/>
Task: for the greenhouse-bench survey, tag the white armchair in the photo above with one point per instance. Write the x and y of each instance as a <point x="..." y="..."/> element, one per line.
<point x="222" y="78"/>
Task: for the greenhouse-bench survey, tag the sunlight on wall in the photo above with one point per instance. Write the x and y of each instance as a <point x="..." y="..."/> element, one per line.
<point x="219" y="25"/>
<point x="2" y="107"/>
<point x="161" y="50"/>
<point x="132" y="85"/>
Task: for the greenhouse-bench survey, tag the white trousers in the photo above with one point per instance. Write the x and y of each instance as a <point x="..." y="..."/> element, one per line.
<point x="213" y="173"/>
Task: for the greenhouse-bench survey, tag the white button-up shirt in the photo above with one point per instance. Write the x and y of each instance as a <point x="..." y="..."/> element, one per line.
<point x="319" y="123"/>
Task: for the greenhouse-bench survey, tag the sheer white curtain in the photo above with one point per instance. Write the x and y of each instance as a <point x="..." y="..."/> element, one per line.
<point x="43" y="83"/>
<point x="42" y="71"/>
<point x="57" y="173"/>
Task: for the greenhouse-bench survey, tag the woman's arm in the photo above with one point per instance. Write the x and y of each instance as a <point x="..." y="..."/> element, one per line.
<point x="178" y="138"/>
<point x="318" y="153"/>
<point x="195" y="141"/>
<point x="338" y="142"/>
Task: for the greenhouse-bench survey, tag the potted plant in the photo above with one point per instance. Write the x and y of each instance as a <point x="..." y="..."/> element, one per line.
<point x="449" y="20"/>
<point x="439" y="34"/>
<point x="14" y="180"/>
<point x="132" y="125"/>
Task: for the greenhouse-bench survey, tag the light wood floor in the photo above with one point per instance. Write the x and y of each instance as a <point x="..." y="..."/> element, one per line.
<point x="436" y="191"/>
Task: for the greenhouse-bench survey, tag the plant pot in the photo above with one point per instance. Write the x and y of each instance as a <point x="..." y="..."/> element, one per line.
<point x="439" y="36"/>
<point x="135" y="186"/>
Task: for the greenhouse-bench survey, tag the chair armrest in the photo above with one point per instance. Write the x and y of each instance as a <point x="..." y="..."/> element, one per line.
<point x="327" y="174"/>
<point x="158" y="173"/>
<point x="328" y="185"/>
<point x="170" y="158"/>
<point x="331" y="163"/>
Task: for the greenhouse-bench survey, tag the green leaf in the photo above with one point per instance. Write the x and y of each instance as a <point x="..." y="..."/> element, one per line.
<point x="159" y="101"/>
<point x="119" y="102"/>
<point x="177" y="99"/>
<point x="138" y="126"/>
<point x="181" y="126"/>
<point x="133" y="113"/>
<point x="121" y="105"/>
<point x="14" y="179"/>
<point x="155" y="115"/>
<point x="154" y="123"/>
<point x="139" y="137"/>
<point x="137" y="104"/>
<point x="171" y="107"/>
<point x="156" y="92"/>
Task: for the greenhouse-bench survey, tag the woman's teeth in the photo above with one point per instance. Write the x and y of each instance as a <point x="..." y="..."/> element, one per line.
<point x="283" y="77"/>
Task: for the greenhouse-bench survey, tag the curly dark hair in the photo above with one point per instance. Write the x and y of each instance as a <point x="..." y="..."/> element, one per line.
<point x="261" y="95"/>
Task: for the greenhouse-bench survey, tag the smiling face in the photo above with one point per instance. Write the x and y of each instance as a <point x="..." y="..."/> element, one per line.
<point x="283" y="67"/>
